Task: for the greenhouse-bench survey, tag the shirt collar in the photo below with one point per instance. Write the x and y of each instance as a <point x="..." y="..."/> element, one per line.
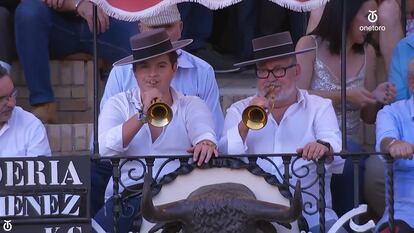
<point x="4" y="128"/>
<point x="410" y="40"/>
<point x="183" y="61"/>
<point x="301" y="96"/>
<point x="7" y="125"/>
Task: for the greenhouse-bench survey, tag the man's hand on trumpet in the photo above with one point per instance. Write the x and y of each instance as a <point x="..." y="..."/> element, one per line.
<point x="260" y="101"/>
<point x="149" y="96"/>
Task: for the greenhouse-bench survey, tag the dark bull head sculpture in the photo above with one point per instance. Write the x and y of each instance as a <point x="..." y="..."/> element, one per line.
<point x="225" y="207"/>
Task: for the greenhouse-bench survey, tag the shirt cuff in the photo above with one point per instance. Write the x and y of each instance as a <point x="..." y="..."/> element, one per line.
<point x="235" y="144"/>
<point x="205" y="136"/>
<point x="113" y="140"/>
<point x="337" y="165"/>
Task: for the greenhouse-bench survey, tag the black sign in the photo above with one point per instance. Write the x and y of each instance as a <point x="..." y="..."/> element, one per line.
<point x="45" y="194"/>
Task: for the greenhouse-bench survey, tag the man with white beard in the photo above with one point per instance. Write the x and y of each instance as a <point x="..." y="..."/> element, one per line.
<point x="297" y="122"/>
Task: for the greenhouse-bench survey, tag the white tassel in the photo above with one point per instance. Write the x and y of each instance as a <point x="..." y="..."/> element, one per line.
<point x="299" y="6"/>
<point x="129" y="15"/>
<point x="117" y="13"/>
<point x="154" y="10"/>
<point x="211" y="4"/>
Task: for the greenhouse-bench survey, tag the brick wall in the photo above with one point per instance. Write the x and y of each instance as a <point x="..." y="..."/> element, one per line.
<point x="72" y="83"/>
<point x="69" y="138"/>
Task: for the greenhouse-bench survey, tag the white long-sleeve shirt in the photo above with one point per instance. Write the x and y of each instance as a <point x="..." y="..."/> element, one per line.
<point x="194" y="77"/>
<point x="307" y="120"/>
<point x="191" y="123"/>
<point x="23" y="135"/>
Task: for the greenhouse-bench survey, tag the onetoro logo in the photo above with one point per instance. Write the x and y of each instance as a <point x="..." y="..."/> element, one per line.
<point x="372" y="18"/>
<point x="7" y="226"/>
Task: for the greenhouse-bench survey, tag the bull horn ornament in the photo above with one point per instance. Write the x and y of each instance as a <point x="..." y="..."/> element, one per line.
<point x="225" y="207"/>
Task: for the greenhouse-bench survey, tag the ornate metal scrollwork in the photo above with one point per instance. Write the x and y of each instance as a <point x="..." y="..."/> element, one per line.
<point x="131" y="173"/>
<point x="308" y="206"/>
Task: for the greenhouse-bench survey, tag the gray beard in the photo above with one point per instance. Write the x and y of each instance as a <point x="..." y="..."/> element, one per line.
<point x="284" y="95"/>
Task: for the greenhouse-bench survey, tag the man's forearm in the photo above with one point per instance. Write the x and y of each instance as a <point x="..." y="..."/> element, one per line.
<point x="386" y="143"/>
<point x="243" y="130"/>
<point x="129" y="129"/>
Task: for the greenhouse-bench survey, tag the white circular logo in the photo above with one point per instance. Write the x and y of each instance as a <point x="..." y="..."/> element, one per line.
<point x="7" y="226"/>
<point x="372" y="17"/>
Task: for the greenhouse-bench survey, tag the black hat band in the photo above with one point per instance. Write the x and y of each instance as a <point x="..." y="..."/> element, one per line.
<point x="273" y="51"/>
<point x="152" y="50"/>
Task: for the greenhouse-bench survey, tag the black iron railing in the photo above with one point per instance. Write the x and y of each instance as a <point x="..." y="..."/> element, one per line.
<point x="289" y="161"/>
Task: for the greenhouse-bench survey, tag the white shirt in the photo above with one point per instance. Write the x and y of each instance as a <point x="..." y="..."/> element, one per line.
<point x="23" y="135"/>
<point x="194" y="77"/>
<point x="191" y="123"/>
<point x="307" y="120"/>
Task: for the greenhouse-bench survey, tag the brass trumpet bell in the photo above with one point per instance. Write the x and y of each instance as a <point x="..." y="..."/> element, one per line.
<point x="254" y="117"/>
<point x="159" y="114"/>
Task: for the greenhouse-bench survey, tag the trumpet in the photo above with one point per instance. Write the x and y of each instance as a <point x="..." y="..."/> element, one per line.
<point x="254" y="116"/>
<point x="159" y="114"/>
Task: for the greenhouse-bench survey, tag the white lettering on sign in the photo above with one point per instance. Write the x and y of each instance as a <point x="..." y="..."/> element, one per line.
<point x="51" y="229"/>
<point x="71" y="202"/>
<point x="60" y="230"/>
<point x="19" y="173"/>
<point x="43" y="205"/>
<point x="72" y="175"/>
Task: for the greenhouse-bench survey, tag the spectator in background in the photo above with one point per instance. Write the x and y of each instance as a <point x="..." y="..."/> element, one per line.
<point x="389" y="16"/>
<point x="257" y="18"/>
<point x="198" y="25"/>
<point x="398" y="73"/>
<point x="275" y="18"/>
<point x="314" y="18"/>
<point x="403" y="54"/>
<point x="410" y="17"/>
<point x="60" y="28"/>
<point x="395" y="135"/>
<point x="5" y="39"/>
<point x="322" y="76"/>
<point x="6" y="33"/>
<point x="21" y="133"/>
